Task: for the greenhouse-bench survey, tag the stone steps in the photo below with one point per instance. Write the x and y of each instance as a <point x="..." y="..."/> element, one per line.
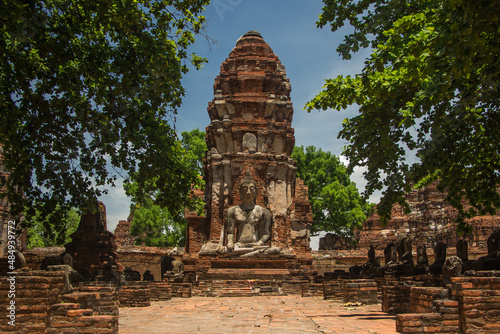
<point x="241" y="288"/>
<point x="241" y="292"/>
<point x="246" y="273"/>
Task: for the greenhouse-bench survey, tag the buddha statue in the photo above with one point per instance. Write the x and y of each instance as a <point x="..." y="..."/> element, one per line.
<point x="247" y="228"/>
<point x="248" y="224"/>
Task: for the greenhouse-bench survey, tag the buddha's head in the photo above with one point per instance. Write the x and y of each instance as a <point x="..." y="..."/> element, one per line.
<point x="248" y="189"/>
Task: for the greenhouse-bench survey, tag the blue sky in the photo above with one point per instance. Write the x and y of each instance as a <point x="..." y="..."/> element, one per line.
<point x="307" y="52"/>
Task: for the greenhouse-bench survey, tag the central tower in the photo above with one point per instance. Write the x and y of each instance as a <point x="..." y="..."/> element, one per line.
<point x="250" y="136"/>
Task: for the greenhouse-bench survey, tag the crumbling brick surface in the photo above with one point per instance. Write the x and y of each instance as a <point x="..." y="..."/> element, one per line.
<point x="479" y="303"/>
<point x="42" y="307"/>
<point x="467" y="305"/>
<point x="135" y="294"/>
<point x="431" y="220"/>
<point x="143" y="258"/>
<point x="333" y="289"/>
<point x="122" y="234"/>
<point x="360" y="291"/>
<point x="92" y="245"/>
<point x="182" y="290"/>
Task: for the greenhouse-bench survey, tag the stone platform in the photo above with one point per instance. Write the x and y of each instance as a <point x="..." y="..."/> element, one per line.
<point x="208" y="269"/>
<point x="272" y="314"/>
<point x="238" y="273"/>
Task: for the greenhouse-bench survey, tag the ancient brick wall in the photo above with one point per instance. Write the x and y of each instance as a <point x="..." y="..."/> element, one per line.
<point x="41" y="306"/>
<point x="431" y="220"/>
<point x="35" y="293"/>
<point x="66" y="317"/>
<point x="333" y="289"/>
<point x="312" y="290"/>
<point x="329" y="261"/>
<point x="142" y="258"/>
<point x="39" y="258"/>
<point x="423" y="323"/>
<point x="422" y="298"/>
<point x="106" y="303"/>
<point x="122" y="234"/>
<point x="160" y="291"/>
<point x="479" y="303"/>
<point x="467" y="305"/>
<point x="196" y="234"/>
<point x="362" y="291"/>
<point x="396" y="293"/>
<point x="135" y="294"/>
<point x="182" y="290"/>
<point x="293" y="286"/>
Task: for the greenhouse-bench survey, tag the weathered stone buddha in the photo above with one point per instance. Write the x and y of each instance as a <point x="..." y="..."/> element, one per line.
<point x="401" y="261"/>
<point x="403" y="247"/>
<point x="422" y="266"/>
<point x="248" y="225"/>
<point x="248" y="222"/>
<point x="372" y="265"/>
<point x="439" y="258"/>
<point x="175" y="274"/>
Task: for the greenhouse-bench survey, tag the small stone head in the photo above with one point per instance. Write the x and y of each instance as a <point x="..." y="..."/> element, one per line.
<point x="248" y="189"/>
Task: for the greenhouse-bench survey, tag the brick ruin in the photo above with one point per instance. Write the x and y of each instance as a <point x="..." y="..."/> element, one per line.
<point x="122" y="233"/>
<point x="251" y="135"/>
<point x="43" y="306"/>
<point x="93" y="247"/>
<point x="430" y="221"/>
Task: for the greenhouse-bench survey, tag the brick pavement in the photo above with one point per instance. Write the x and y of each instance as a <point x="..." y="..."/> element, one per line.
<point x="270" y="314"/>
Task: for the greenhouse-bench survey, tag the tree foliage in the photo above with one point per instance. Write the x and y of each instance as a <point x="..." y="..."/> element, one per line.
<point x="429" y="90"/>
<point x="153" y="224"/>
<point x="43" y="233"/>
<point x="195" y="146"/>
<point x="91" y="86"/>
<point x="335" y="201"/>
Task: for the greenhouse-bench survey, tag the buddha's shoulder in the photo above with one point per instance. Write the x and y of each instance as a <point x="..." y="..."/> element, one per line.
<point x="261" y="209"/>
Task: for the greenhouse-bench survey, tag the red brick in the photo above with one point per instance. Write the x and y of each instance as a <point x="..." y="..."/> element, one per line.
<point x="79" y="313"/>
<point x="451" y="322"/>
<point x="449" y="310"/>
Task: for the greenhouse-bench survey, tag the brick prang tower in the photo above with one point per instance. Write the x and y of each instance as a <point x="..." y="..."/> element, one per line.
<point x="251" y="134"/>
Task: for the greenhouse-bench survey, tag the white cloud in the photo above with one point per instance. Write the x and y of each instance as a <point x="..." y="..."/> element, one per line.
<point x="117" y="205"/>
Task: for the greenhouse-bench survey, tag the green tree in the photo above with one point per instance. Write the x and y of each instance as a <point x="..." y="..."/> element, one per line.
<point x="195" y="145"/>
<point x="429" y="90"/>
<point x="154" y="225"/>
<point x="43" y="233"/>
<point x="88" y="87"/>
<point x="335" y="201"/>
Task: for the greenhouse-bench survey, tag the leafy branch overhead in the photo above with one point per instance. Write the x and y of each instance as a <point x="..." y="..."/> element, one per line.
<point x="91" y="86"/>
<point x="154" y="224"/>
<point x="428" y="98"/>
<point x="46" y="233"/>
